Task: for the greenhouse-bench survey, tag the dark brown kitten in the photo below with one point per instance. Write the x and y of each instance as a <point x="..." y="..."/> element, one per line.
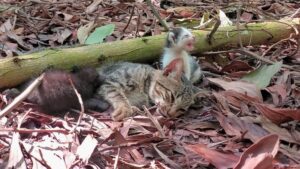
<point x="56" y="95"/>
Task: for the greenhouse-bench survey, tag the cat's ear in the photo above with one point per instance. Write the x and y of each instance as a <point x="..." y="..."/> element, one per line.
<point x="166" y="81"/>
<point x="171" y="38"/>
<point x="174" y="69"/>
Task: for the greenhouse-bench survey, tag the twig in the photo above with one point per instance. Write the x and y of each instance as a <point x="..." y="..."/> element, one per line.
<point x="238" y="19"/>
<point x="214" y="30"/>
<point x="137" y="143"/>
<point x="205" y="24"/>
<point x="211" y="74"/>
<point x="81" y="105"/>
<point x="22" y="96"/>
<point x="23" y="117"/>
<point x="294" y="14"/>
<point x="24" y="130"/>
<point x="156" y="14"/>
<point x="275" y="44"/>
<point x="138" y="23"/>
<point x="117" y="159"/>
<point x="166" y="158"/>
<point x="132" y="12"/>
<point x="93" y="6"/>
<point x="155" y="122"/>
<point x="221" y="142"/>
<point x="218" y="52"/>
<point x="247" y="52"/>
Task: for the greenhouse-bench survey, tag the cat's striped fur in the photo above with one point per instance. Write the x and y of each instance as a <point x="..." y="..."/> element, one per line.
<point x="130" y="84"/>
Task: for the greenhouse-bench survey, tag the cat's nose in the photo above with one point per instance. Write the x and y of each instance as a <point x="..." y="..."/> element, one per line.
<point x="175" y="113"/>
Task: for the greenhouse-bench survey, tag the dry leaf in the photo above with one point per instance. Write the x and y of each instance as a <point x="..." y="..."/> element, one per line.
<point x="219" y="160"/>
<point x="239" y="86"/>
<point x="48" y="155"/>
<point x="6" y="26"/>
<point x="236" y="126"/>
<point x="278" y="115"/>
<point x="260" y="154"/>
<point x="278" y="92"/>
<point x="86" y="148"/>
<point x="63" y="35"/>
<point x="93" y="6"/>
<point x="16" y="158"/>
<point x="84" y="31"/>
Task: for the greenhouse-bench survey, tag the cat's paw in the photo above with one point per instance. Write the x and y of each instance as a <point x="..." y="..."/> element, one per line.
<point x="121" y="112"/>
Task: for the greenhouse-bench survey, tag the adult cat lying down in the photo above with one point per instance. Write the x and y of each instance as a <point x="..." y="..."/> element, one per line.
<point x="131" y="84"/>
<point x="121" y="85"/>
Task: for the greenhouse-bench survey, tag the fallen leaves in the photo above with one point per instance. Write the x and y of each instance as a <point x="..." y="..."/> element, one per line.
<point x="239" y="86"/>
<point x="84" y="31"/>
<point x="262" y="76"/>
<point x="261" y="154"/>
<point x="249" y="122"/>
<point x="278" y="115"/>
<point x="99" y="34"/>
<point x="219" y="160"/>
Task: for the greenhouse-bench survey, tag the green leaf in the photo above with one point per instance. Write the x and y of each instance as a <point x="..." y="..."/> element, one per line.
<point x="261" y="77"/>
<point x="100" y="33"/>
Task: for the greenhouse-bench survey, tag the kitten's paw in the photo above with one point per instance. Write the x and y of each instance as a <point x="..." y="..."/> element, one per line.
<point x="121" y="112"/>
<point x="136" y="110"/>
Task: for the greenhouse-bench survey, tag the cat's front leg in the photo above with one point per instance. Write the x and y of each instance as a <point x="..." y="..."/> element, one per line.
<point x="118" y="100"/>
<point x="121" y="112"/>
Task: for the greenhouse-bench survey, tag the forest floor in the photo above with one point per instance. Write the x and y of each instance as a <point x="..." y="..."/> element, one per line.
<point x="250" y="119"/>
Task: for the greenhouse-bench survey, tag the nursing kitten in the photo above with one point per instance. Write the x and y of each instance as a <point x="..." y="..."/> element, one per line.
<point x="130" y="84"/>
<point x="56" y="95"/>
<point x="179" y="42"/>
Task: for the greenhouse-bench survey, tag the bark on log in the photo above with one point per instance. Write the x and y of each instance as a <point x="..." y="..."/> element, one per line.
<point x="16" y="70"/>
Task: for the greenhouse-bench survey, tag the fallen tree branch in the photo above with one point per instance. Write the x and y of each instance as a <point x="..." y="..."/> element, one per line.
<point x="15" y="70"/>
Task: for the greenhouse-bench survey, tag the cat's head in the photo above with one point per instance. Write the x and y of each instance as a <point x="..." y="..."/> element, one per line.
<point x="173" y="97"/>
<point x="180" y="39"/>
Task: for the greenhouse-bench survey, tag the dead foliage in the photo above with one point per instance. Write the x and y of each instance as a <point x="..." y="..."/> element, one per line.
<point x="240" y="124"/>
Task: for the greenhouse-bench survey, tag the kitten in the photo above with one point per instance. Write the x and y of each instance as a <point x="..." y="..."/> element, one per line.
<point x="56" y="95"/>
<point x="130" y="84"/>
<point x="179" y="42"/>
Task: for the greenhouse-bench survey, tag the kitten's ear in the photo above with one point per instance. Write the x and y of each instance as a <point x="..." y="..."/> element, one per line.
<point x="171" y="38"/>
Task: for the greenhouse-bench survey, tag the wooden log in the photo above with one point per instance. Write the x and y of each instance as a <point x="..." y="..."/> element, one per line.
<point x="15" y="70"/>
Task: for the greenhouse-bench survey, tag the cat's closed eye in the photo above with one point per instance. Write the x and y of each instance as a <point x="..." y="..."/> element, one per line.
<point x="182" y="109"/>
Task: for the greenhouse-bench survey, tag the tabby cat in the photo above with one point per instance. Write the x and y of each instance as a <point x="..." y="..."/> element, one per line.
<point x="130" y="84"/>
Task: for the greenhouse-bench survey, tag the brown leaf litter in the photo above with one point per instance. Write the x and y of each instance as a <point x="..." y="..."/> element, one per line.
<point x="237" y="126"/>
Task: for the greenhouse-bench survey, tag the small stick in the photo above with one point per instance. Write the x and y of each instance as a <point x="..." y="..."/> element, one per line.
<point x="275" y="44"/>
<point x="81" y="105"/>
<point x="22" y="96"/>
<point x="136" y="143"/>
<point x="132" y="12"/>
<point x="213" y="31"/>
<point x="117" y="159"/>
<point x="238" y="26"/>
<point x="166" y="158"/>
<point x="247" y="52"/>
<point x="155" y="122"/>
<point x="24" y="130"/>
<point x="23" y="117"/>
<point x="155" y="13"/>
